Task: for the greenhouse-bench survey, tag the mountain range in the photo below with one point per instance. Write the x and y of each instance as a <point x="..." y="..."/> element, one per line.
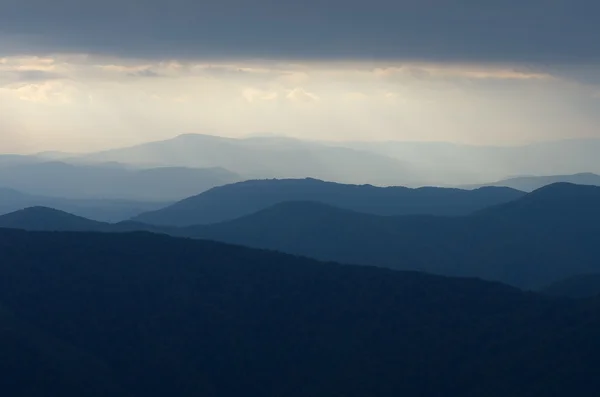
<point x="531" y="183"/>
<point x="105" y="210"/>
<point x="244" y="198"/>
<point x="267" y="157"/>
<point x="137" y="314"/>
<point x="111" y="180"/>
<point x="542" y="237"/>
<point x="530" y="242"/>
<point x="192" y="163"/>
<point x="379" y="163"/>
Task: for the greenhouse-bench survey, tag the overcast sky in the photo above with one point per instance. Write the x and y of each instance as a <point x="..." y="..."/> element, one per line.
<point x="85" y="75"/>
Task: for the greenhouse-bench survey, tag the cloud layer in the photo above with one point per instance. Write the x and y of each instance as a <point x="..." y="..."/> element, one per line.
<point x="85" y="103"/>
<point x="540" y="31"/>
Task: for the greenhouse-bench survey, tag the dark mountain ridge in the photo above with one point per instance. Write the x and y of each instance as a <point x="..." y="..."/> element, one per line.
<point x="530" y="242"/>
<point x="244" y="198"/>
<point x="49" y="219"/>
<point x="147" y="315"/>
<point x="534" y="241"/>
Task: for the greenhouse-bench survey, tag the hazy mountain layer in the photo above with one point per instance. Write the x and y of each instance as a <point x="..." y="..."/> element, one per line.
<point x="268" y="157"/>
<point x="531" y="183"/>
<point x="378" y="163"/>
<point x="112" y="181"/>
<point x="104" y="210"/>
<point x="458" y="164"/>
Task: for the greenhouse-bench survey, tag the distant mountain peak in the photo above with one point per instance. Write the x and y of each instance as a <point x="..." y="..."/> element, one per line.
<point x="565" y="188"/>
<point x="531" y="183"/>
<point x="560" y="200"/>
<point x="40" y="211"/>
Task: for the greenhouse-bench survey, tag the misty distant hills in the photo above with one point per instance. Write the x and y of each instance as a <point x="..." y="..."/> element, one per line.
<point x="459" y="164"/>
<point x="540" y="238"/>
<point x="104" y="210"/>
<point x="244" y="198"/>
<point x="268" y="157"/>
<point x="379" y="163"/>
<point x="531" y="183"/>
<point x="18" y="159"/>
<point x="112" y="181"/>
<point x="136" y="314"/>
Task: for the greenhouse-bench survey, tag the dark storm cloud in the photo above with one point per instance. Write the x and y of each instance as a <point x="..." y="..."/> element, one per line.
<point x="437" y="30"/>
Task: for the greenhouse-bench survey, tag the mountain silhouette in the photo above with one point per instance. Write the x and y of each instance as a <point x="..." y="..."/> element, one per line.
<point x="540" y="238"/>
<point x="49" y="219"/>
<point x="531" y="183"/>
<point x="559" y="201"/>
<point x="239" y="199"/>
<point x="138" y="314"/>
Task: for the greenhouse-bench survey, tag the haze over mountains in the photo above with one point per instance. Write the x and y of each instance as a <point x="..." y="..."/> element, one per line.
<point x="531" y="183"/>
<point x="189" y="164"/>
<point x="458" y="164"/>
<point x="105" y="210"/>
<point x="378" y="163"/>
<point x="111" y="180"/>
<point x="272" y="157"/>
